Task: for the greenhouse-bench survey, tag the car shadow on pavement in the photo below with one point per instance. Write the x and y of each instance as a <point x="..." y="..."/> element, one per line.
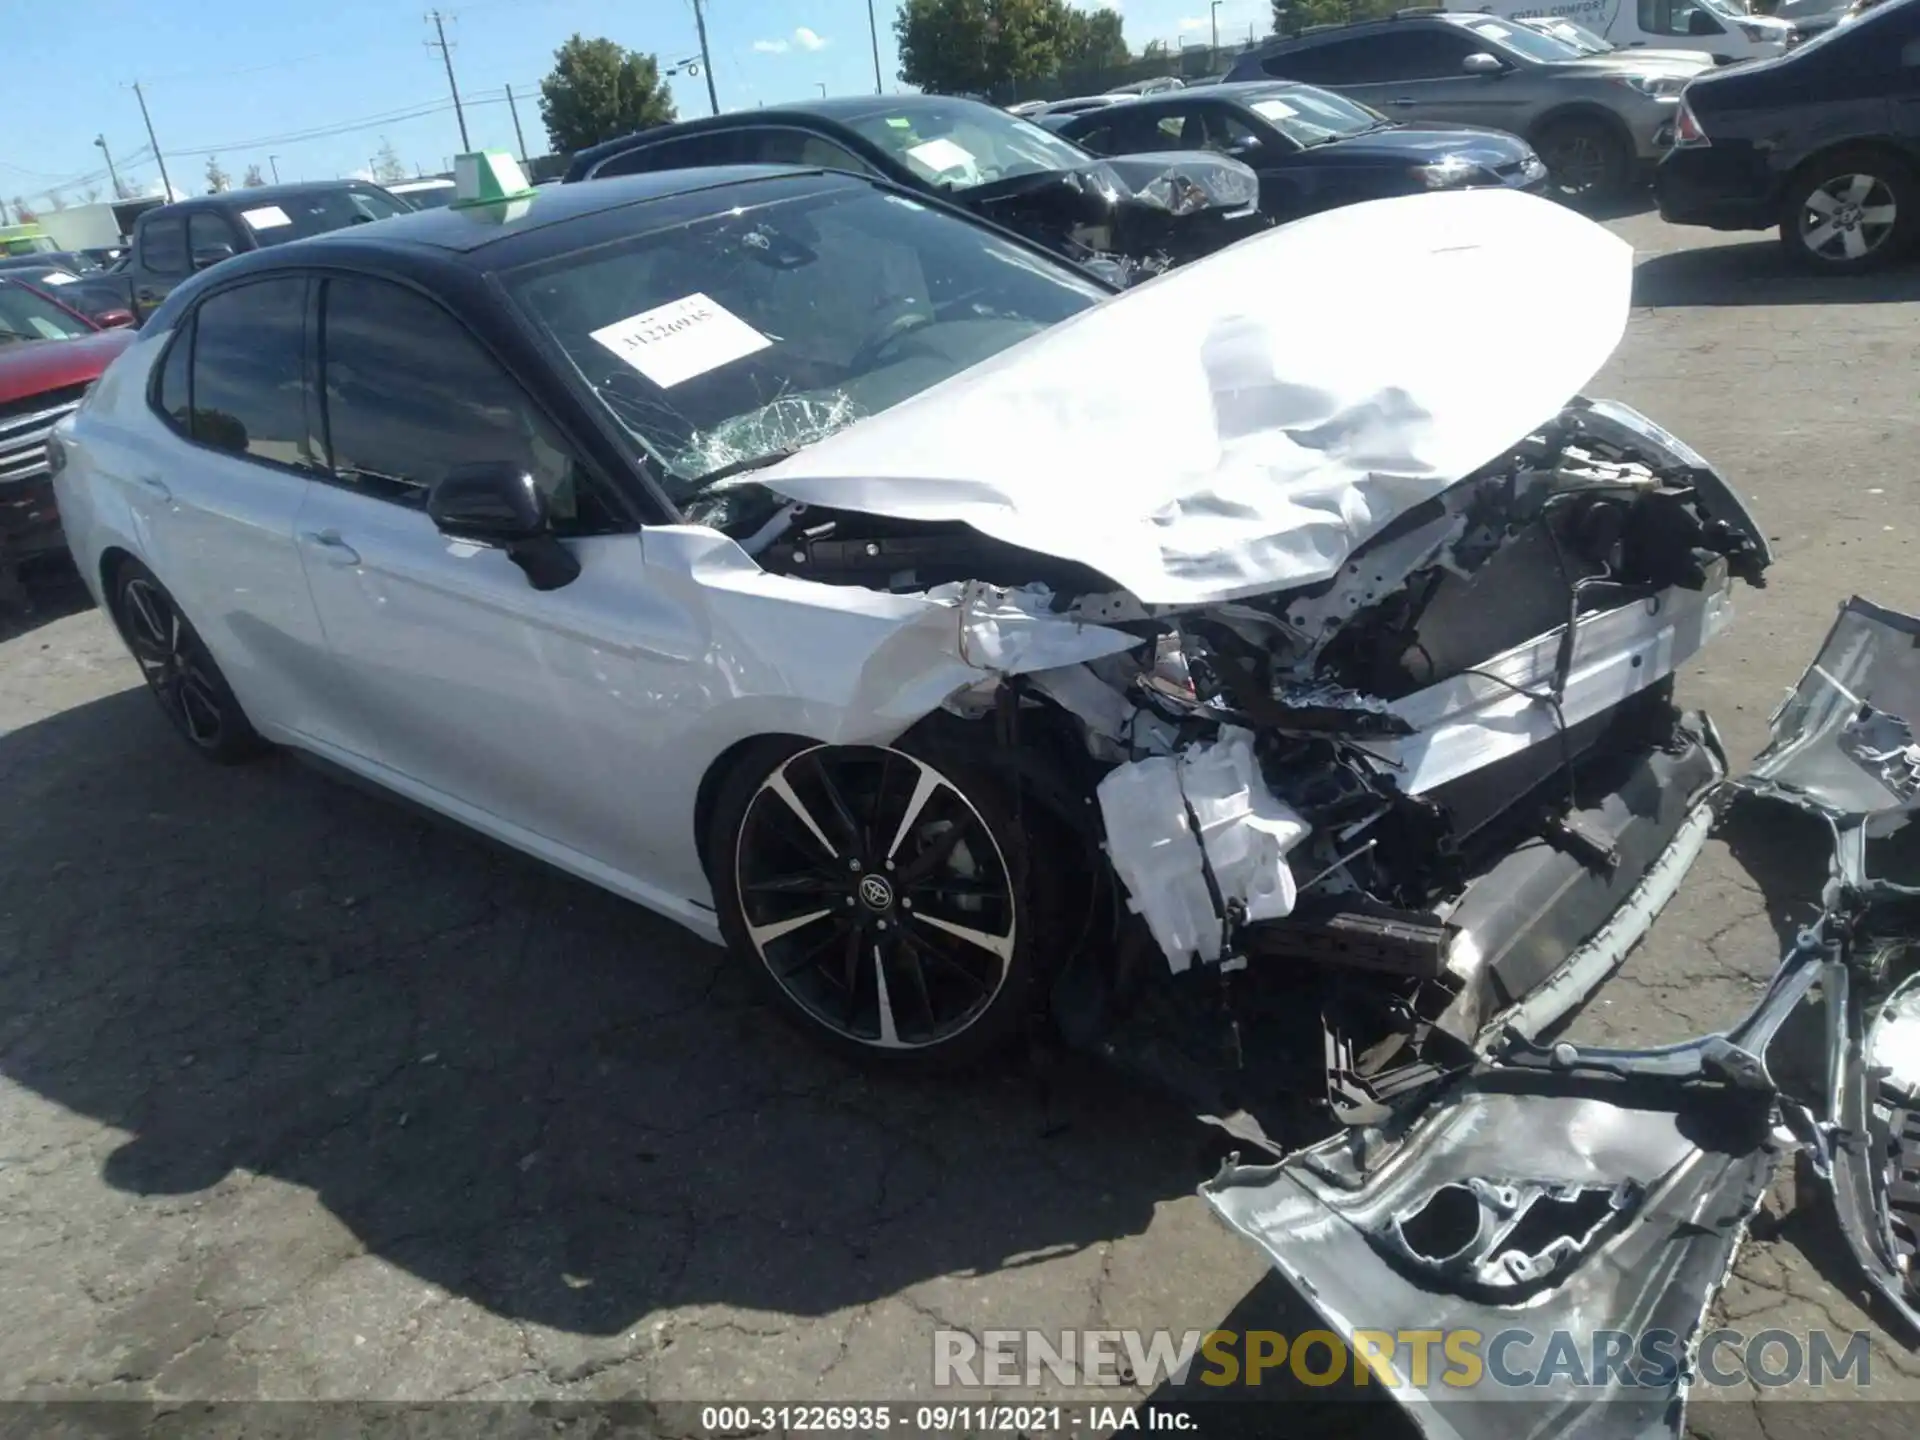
<point x="1758" y="273"/>
<point x="48" y="592"/>
<point x="512" y="1084"/>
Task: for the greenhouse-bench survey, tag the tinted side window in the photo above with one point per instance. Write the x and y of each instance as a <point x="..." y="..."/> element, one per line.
<point x="690" y="152"/>
<point x="1327" y="64"/>
<point x="163" y="246"/>
<point x="207" y="229"/>
<point x="782" y="146"/>
<point x="170" y="390"/>
<point x="1429" y="54"/>
<point x="410" y="395"/>
<point x="249" y="373"/>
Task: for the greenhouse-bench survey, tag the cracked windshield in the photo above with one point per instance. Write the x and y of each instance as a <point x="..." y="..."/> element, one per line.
<point x="728" y="344"/>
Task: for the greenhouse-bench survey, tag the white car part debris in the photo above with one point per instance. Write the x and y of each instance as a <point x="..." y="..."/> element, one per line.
<point x="1481" y="716"/>
<point x="1152" y="809"/>
<point x="1234" y="426"/>
<point x="1893" y="1042"/>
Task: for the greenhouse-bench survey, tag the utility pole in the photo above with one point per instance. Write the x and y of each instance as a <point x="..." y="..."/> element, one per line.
<point x="440" y="29"/>
<point x="1213" y="15"/>
<point x="158" y="158"/>
<point x="706" y="60"/>
<point x="873" y="34"/>
<point x="113" y="175"/>
<point x="274" y="161"/>
<point x="516" y="126"/>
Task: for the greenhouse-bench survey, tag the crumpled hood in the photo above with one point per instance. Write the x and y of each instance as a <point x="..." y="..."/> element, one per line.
<point x="1242" y="423"/>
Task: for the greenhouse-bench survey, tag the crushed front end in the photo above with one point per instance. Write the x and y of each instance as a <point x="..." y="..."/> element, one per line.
<point x="1371" y="824"/>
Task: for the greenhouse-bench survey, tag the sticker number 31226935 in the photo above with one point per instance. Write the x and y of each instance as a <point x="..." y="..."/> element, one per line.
<point x="674" y="342"/>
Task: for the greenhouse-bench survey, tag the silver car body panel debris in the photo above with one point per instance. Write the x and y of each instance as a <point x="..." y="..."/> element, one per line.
<point x="1248" y="433"/>
<point x="1560" y="1187"/>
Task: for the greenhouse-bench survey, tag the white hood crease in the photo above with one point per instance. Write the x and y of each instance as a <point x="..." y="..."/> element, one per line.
<point x="1242" y="423"/>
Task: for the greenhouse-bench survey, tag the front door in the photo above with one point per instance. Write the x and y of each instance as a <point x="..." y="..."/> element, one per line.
<point x="512" y="708"/>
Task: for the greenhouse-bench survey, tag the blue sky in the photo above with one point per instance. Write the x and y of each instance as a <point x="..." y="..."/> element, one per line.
<point x="250" y="79"/>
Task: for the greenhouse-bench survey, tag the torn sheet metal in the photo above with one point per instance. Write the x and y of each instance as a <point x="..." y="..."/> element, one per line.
<point x="1234" y="426"/>
<point x="1843" y="741"/>
<point x="1482" y="716"/>
<point x="1195" y="834"/>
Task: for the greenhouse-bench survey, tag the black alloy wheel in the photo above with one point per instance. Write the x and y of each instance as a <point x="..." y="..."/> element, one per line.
<point x="1585" y="160"/>
<point x="182" y="676"/>
<point x="879" y="897"/>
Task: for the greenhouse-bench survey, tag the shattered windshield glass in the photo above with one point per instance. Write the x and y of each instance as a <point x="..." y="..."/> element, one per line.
<point x="736" y="340"/>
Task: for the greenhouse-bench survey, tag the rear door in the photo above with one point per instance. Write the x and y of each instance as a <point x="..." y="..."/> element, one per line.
<point x="217" y="498"/>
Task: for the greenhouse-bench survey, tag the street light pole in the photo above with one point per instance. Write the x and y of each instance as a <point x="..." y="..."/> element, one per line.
<point x="1213" y="14"/>
<point x="274" y="161"/>
<point x="873" y="33"/>
<point x="823" y="88"/>
<point x="113" y="175"/>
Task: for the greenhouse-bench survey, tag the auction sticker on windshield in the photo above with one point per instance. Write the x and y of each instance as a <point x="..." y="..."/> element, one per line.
<point x="1274" y="109"/>
<point x="682" y="339"/>
<point x="942" y="154"/>
<point x="267" y="217"/>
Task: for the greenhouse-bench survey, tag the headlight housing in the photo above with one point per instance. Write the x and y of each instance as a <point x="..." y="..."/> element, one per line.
<point x="1660" y="87"/>
<point x="1447" y="172"/>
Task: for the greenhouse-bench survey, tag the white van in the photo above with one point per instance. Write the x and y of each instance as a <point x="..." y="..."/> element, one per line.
<point x="1718" y="27"/>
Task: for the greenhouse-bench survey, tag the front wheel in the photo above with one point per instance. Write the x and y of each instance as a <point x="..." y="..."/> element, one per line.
<point x="1850" y="212"/>
<point x="880" y="899"/>
<point x="1586" y="160"/>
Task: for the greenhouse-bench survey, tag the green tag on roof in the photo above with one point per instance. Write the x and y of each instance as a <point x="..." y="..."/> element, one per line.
<point x="487" y="177"/>
<point x="898" y="123"/>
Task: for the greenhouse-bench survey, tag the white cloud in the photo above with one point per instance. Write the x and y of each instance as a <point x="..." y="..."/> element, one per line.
<point x="1194" y="23"/>
<point x="807" y="40"/>
<point x="770" y="47"/>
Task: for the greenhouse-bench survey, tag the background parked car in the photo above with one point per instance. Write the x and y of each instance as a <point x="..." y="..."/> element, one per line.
<point x="1719" y="29"/>
<point x="49" y="355"/>
<point x="1312" y="149"/>
<point x="427" y="194"/>
<point x="1824" y="143"/>
<point x="95" y="296"/>
<point x="171" y="242"/>
<point x="974" y="156"/>
<point x="1595" y="120"/>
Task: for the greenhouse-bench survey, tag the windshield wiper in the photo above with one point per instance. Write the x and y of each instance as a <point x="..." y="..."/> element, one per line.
<point x="743" y="465"/>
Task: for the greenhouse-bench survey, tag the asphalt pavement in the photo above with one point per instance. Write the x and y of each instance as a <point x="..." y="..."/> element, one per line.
<point x="302" y="1096"/>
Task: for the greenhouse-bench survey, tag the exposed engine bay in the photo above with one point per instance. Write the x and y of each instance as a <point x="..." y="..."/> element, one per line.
<point x="1420" y="785"/>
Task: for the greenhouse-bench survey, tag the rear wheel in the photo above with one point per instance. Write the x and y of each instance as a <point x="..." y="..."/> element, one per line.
<point x="1849" y="212"/>
<point x="182" y="676"/>
<point x="1586" y="159"/>
<point x="880" y="899"/>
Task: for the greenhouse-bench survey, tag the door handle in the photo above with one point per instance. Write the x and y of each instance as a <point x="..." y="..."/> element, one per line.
<point x="332" y="546"/>
<point x="154" y="486"/>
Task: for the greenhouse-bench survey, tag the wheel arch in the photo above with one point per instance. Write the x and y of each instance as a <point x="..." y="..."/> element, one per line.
<point x="1885" y="145"/>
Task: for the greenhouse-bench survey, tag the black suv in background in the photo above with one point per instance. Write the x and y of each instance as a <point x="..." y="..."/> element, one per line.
<point x="1598" y="121"/>
<point x="171" y="242"/>
<point x="1823" y="142"/>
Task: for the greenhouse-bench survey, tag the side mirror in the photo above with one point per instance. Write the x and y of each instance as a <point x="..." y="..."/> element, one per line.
<point x="497" y="503"/>
<point x="113" y="319"/>
<point x="211" y="255"/>
<point x="1481" y="63"/>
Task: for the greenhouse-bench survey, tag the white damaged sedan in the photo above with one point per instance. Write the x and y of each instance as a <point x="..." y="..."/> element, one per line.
<point x="1265" y="673"/>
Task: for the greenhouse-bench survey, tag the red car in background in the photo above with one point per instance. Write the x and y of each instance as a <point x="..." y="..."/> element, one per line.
<point x="49" y="355"/>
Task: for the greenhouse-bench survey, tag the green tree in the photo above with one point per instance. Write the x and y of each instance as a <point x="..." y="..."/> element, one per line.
<point x="253" y="179"/>
<point x="598" y="90"/>
<point x="1290" y="17"/>
<point x="969" y="46"/>
<point x="217" y="179"/>
<point x="1092" y="40"/>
